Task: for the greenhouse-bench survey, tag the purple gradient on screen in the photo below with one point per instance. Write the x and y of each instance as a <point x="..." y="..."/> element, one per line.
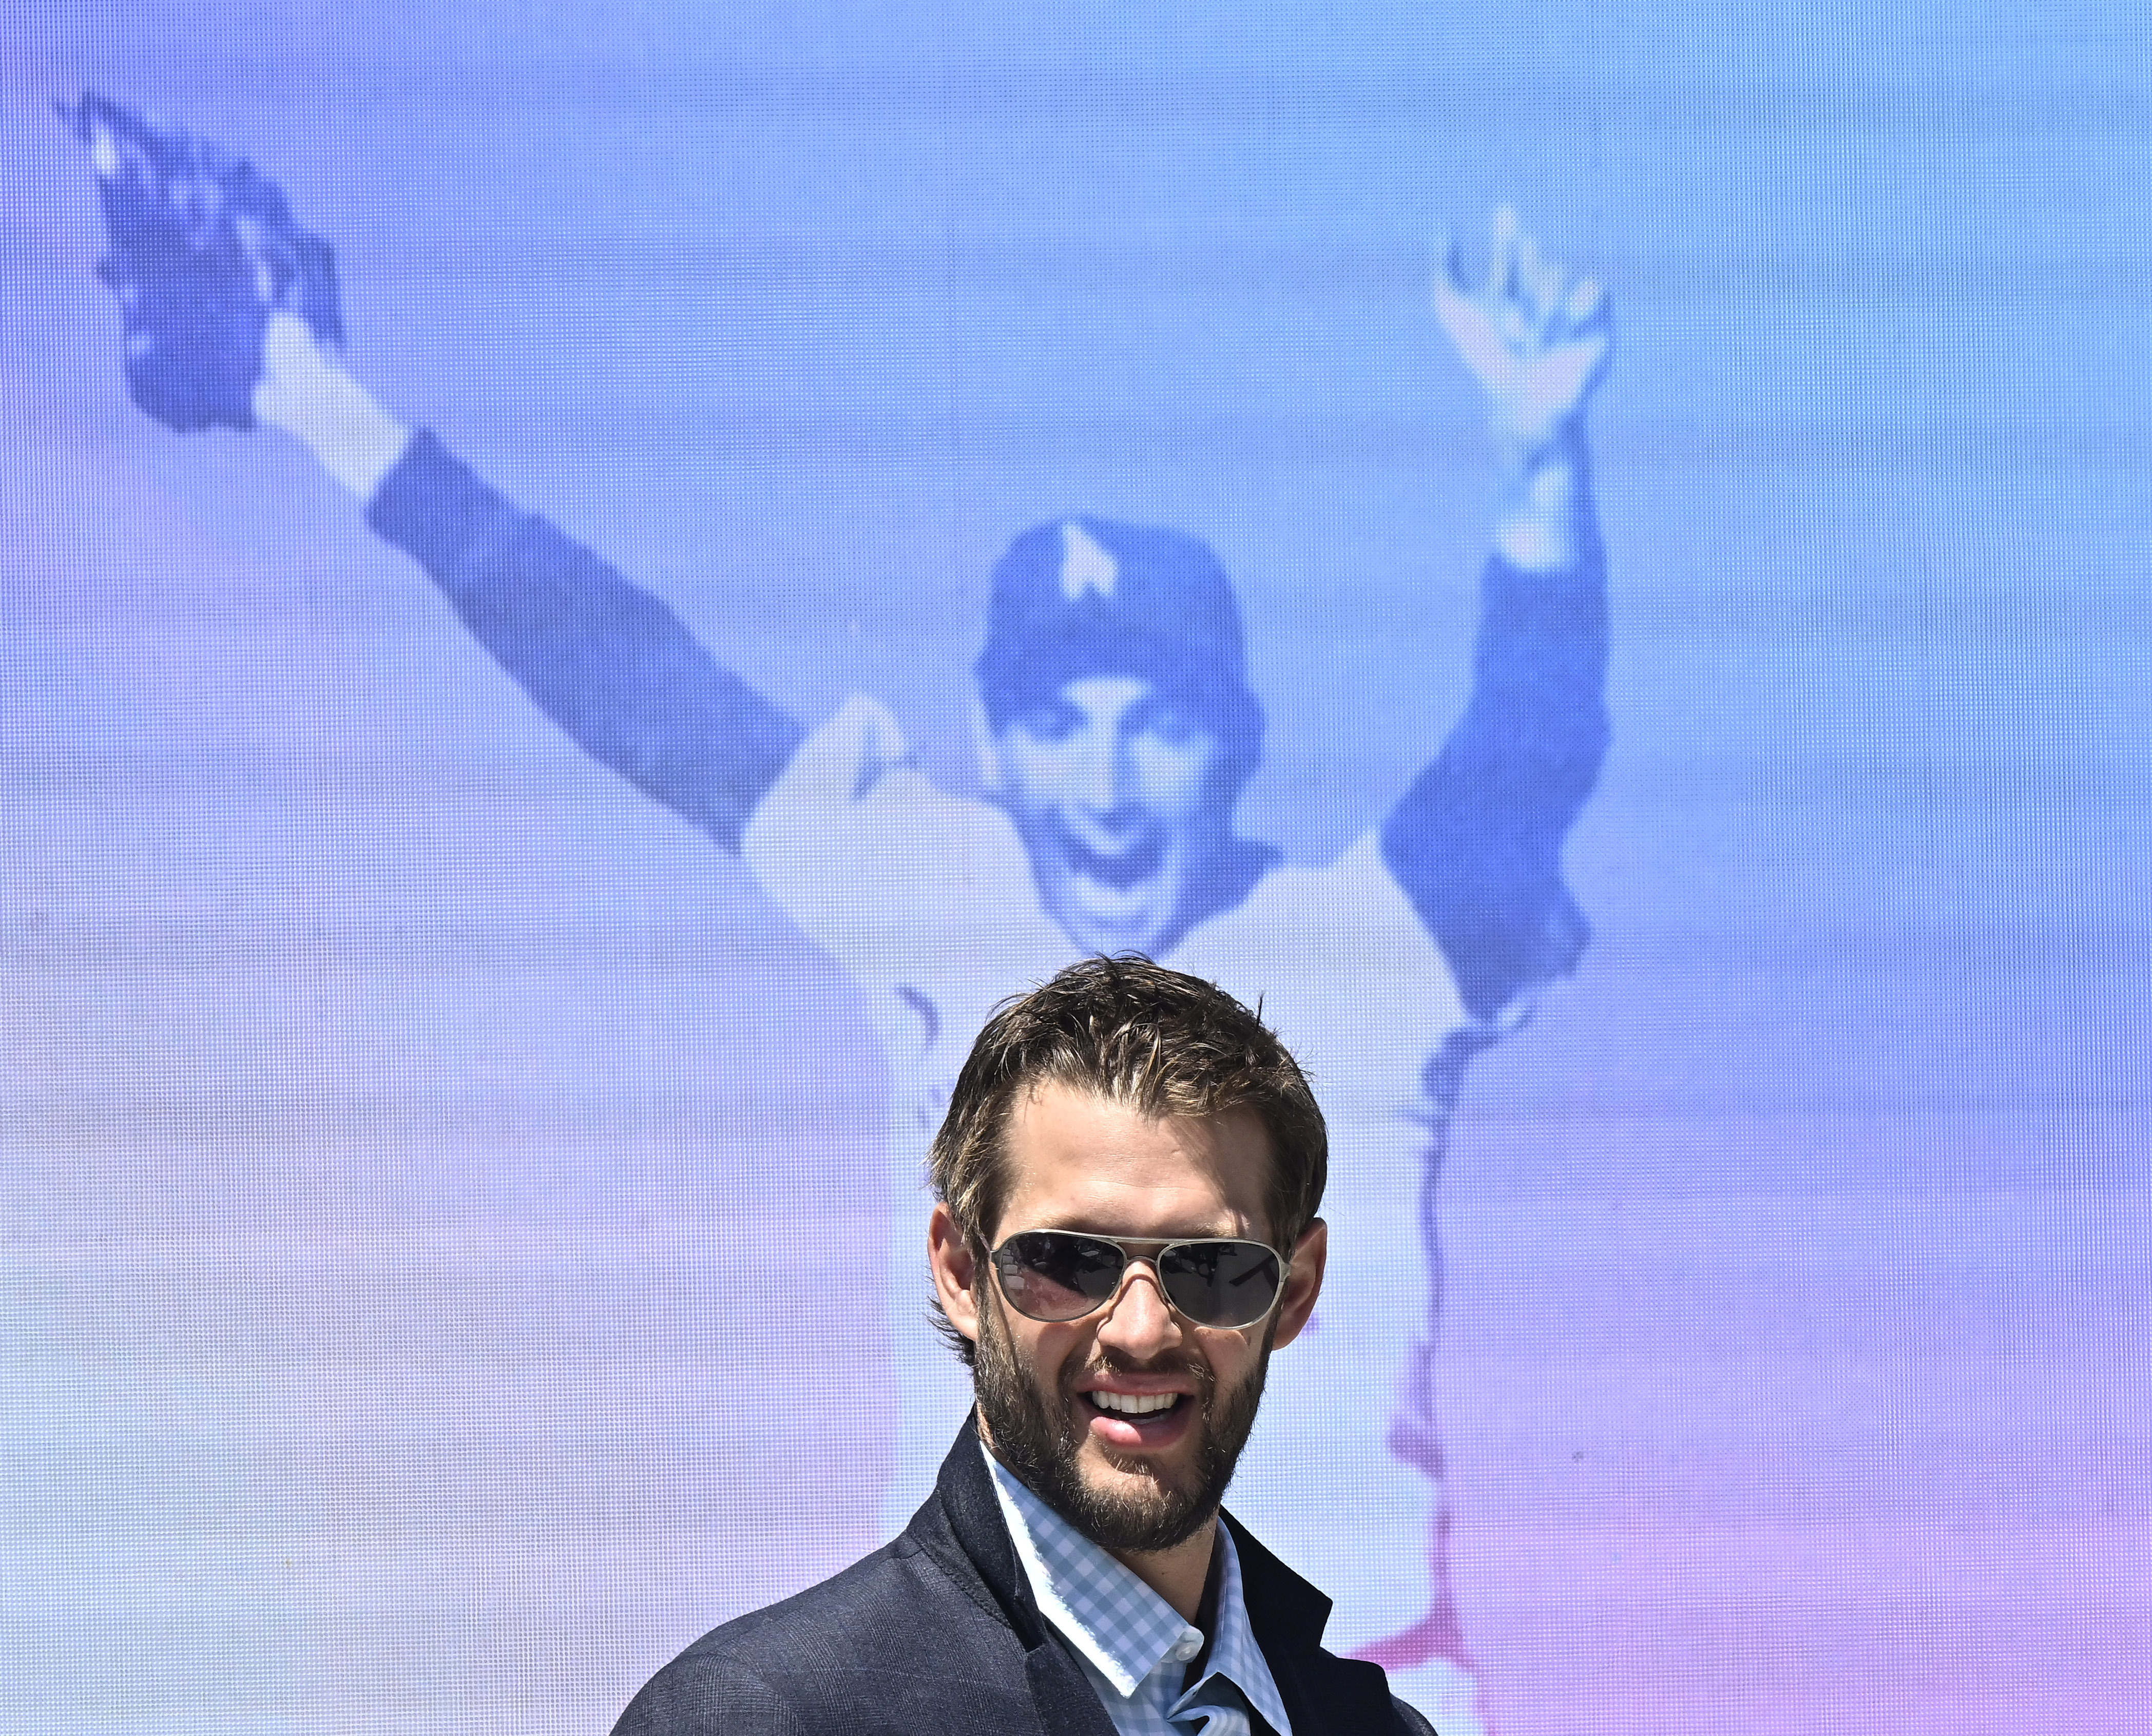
<point x="409" y="1321"/>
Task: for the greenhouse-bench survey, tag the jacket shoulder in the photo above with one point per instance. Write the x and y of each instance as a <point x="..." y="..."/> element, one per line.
<point x="1410" y="1718"/>
<point x="891" y="1644"/>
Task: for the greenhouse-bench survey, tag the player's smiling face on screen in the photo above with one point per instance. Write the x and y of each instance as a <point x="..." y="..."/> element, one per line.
<point x="1122" y="795"/>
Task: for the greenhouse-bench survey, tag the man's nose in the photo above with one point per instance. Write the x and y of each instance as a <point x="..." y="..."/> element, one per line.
<point x="1102" y="778"/>
<point x="1138" y="1321"/>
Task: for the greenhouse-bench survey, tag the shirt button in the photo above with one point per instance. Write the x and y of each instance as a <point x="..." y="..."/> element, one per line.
<point x="1189" y="1644"/>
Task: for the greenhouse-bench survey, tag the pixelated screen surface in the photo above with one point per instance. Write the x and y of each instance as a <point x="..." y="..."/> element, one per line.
<point x="482" y="958"/>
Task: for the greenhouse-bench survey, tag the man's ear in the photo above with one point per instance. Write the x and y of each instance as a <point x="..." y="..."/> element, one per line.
<point x="986" y="745"/>
<point x="1303" y="1282"/>
<point x="957" y="1271"/>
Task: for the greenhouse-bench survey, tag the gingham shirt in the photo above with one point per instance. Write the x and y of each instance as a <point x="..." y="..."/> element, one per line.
<point x="1134" y="1648"/>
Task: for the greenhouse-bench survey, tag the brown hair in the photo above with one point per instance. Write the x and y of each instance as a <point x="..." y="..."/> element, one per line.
<point x="1134" y="1033"/>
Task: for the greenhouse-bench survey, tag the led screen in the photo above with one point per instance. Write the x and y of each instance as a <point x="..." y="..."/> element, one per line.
<point x="1593" y="561"/>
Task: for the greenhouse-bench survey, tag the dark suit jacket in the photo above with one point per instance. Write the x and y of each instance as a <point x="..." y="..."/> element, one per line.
<point x="938" y="1635"/>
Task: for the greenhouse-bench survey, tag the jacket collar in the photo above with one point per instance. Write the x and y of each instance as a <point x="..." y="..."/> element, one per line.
<point x="961" y="1526"/>
<point x="1288" y="1616"/>
<point x="962" y="1529"/>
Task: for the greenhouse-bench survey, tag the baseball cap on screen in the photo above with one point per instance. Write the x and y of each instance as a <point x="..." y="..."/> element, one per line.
<point x="1090" y="597"/>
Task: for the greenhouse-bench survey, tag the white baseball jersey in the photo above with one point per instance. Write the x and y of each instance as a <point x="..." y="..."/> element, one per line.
<point x="928" y="901"/>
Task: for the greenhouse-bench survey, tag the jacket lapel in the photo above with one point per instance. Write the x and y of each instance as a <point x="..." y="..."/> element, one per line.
<point x="963" y="1528"/>
<point x="1288" y="1616"/>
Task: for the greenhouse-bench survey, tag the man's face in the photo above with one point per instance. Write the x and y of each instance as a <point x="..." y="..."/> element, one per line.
<point x="1053" y="1395"/>
<point x="1121" y="794"/>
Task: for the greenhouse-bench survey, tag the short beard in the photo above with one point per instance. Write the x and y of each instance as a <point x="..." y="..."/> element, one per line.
<point x="1039" y="1442"/>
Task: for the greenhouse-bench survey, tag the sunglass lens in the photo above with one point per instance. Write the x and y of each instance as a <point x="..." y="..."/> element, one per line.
<point x="1051" y="1274"/>
<point x="1221" y="1284"/>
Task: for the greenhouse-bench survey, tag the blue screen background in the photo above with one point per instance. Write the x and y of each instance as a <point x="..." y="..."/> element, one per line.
<point x="413" y="1135"/>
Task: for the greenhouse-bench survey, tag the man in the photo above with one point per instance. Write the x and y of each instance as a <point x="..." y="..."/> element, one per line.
<point x="1115" y="728"/>
<point x="1124" y="1229"/>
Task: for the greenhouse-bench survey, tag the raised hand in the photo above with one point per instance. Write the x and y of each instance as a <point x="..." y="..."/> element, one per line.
<point x="1537" y="340"/>
<point x="202" y="250"/>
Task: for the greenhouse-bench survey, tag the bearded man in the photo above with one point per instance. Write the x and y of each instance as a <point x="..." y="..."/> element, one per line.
<point x="1124" y="1229"/>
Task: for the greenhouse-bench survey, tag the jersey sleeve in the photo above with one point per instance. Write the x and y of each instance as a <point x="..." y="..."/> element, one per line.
<point x="605" y="659"/>
<point x="1476" y="842"/>
<point x="925" y="898"/>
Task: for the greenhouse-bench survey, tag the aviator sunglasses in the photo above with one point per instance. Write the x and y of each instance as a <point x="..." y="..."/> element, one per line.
<point x="1060" y="1275"/>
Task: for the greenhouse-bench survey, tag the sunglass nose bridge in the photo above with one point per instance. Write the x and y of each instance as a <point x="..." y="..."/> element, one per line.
<point x="1146" y="1265"/>
<point x="1140" y="1316"/>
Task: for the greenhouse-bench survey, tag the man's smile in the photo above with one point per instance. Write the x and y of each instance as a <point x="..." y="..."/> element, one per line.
<point x="1133" y="1404"/>
<point x="1121" y="864"/>
<point x="1140" y="1411"/>
<point x="1153" y="1423"/>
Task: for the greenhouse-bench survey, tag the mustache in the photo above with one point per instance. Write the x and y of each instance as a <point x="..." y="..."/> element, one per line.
<point x="1106" y="1364"/>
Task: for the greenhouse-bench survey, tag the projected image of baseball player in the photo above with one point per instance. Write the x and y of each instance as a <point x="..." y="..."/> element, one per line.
<point x="1115" y="729"/>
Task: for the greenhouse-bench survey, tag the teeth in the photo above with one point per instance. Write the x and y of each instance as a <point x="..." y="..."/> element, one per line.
<point x="1135" y="1404"/>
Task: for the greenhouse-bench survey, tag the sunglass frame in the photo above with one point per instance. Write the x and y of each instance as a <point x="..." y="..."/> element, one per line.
<point x="1126" y="1247"/>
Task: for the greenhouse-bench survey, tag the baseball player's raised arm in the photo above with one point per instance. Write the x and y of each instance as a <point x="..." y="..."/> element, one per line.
<point x="608" y="660"/>
<point x="1476" y="842"/>
<point x="231" y="316"/>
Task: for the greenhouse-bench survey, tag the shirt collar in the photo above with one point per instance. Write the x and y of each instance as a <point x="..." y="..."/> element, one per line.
<point x="1117" y="1622"/>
